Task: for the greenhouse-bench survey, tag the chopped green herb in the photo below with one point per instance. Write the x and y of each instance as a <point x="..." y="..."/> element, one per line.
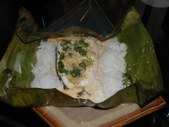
<point x="61" y="68"/>
<point x="66" y="42"/>
<point x="83" y="64"/>
<point x="70" y="54"/>
<point x="83" y="43"/>
<point x="69" y="47"/>
<point x="66" y="45"/>
<point x="81" y="47"/>
<point x="80" y="50"/>
<point x="75" y="72"/>
<point x="62" y="56"/>
<point x="89" y="61"/>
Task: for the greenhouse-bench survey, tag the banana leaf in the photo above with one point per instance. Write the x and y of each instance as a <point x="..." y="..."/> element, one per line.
<point x="143" y="72"/>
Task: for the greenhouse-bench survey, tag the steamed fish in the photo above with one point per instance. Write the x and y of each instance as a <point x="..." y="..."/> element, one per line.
<point x="76" y="63"/>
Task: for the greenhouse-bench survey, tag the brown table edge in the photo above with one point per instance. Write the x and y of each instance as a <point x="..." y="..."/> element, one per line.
<point x="155" y="105"/>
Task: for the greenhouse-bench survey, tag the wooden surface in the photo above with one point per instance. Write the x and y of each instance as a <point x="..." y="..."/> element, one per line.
<point x="53" y="120"/>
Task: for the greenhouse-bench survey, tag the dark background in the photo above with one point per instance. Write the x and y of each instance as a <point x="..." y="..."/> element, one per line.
<point x="156" y="20"/>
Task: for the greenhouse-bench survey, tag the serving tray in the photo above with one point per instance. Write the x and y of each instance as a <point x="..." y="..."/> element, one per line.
<point x="90" y="117"/>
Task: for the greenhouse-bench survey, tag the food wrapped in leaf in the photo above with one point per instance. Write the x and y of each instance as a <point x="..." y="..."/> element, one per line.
<point x="82" y="68"/>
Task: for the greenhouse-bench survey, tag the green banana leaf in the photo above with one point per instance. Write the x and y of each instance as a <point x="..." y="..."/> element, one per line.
<point x="143" y="77"/>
